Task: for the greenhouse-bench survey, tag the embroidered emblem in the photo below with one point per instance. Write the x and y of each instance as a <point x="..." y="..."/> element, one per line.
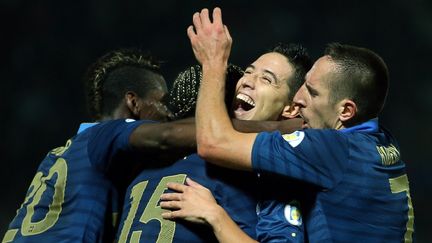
<point x="295" y="138"/>
<point x="293" y="215"/>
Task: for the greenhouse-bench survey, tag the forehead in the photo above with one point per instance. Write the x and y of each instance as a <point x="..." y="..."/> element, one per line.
<point x="275" y="63"/>
<point x="320" y="70"/>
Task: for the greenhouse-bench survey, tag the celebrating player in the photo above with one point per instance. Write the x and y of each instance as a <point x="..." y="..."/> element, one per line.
<point x="359" y="183"/>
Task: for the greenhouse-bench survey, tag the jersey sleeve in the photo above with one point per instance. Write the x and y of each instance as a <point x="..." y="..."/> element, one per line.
<point x="319" y="157"/>
<point x="108" y="138"/>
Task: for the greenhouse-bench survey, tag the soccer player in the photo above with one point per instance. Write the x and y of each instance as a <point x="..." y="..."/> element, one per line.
<point x="76" y="192"/>
<point x="361" y="188"/>
<point x="141" y="220"/>
<point x="74" y="196"/>
<point x="234" y="191"/>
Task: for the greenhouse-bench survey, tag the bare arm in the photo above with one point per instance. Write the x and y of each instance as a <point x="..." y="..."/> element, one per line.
<point x="217" y="140"/>
<point x="195" y="203"/>
<point x="286" y="126"/>
<point x="181" y="134"/>
<point x="165" y="137"/>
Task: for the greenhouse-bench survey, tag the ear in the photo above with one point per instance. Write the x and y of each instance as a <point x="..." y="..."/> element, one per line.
<point x="348" y="110"/>
<point x="132" y="103"/>
<point x="290" y="111"/>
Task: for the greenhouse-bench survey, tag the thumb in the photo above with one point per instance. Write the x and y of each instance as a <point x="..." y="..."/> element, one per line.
<point x="227" y="33"/>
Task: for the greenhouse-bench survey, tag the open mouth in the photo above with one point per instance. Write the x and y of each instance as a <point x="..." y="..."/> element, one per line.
<point x="243" y="102"/>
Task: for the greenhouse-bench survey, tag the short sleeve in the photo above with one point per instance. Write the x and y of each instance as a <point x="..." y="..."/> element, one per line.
<point x="315" y="156"/>
<point x="108" y="138"/>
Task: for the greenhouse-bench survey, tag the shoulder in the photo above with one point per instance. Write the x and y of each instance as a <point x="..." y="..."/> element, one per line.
<point x="117" y="126"/>
<point x="303" y="136"/>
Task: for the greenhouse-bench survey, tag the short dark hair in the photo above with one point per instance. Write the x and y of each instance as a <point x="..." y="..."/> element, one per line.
<point x="184" y="92"/>
<point x="362" y="76"/>
<point x="117" y="72"/>
<point x="299" y="58"/>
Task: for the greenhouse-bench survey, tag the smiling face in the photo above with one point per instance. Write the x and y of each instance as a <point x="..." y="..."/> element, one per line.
<point x="262" y="92"/>
<point x="314" y="97"/>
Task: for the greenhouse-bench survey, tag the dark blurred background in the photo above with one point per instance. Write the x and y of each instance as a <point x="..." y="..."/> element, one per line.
<point x="47" y="45"/>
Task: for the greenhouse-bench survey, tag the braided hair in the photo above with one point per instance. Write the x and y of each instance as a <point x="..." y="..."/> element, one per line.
<point x="115" y="73"/>
<point x="183" y="95"/>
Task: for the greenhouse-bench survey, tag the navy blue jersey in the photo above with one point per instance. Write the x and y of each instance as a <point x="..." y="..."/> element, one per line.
<point x="361" y="189"/>
<point x="141" y="220"/>
<point x="280" y="206"/>
<point x="71" y="199"/>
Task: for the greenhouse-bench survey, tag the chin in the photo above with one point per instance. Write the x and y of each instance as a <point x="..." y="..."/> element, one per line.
<point x="244" y="117"/>
<point x="241" y="115"/>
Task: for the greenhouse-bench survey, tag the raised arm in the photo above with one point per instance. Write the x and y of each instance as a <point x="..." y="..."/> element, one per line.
<point x="217" y="140"/>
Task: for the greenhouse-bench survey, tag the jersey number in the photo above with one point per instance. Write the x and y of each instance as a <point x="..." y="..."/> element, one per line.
<point x="398" y="185"/>
<point x="151" y="211"/>
<point x="35" y="192"/>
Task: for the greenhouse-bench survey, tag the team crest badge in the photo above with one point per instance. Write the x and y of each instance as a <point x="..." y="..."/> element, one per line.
<point x="295" y="138"/>
<point x="293" y="215"/>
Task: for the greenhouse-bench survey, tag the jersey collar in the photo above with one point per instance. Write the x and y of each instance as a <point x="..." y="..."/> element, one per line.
<point x="85" y="125"/>
<point x="369" y="127"/>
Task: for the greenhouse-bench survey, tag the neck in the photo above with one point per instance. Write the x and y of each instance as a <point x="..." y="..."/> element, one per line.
<point x="106" y="118"/>
<point x="339" y="125"/>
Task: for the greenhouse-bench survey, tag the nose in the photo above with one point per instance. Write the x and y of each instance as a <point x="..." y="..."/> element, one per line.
<point x="299" y="97"/>
<point x="248" y="81"/>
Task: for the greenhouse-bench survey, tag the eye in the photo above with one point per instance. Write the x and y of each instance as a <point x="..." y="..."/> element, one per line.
<point x="247" y="71"/>
<point x="313" y="93"/>
<point x="267" y="79"/>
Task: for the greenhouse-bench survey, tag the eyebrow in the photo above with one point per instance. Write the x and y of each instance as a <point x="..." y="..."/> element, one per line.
<point x="265" y="71"/>
<point x="271" y="74"/>
<point x="250" y="66"/>
<point x="310" y="89"/>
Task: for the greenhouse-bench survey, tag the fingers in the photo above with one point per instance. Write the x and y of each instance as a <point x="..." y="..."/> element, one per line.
<point x="171" y="205"/>
<point x="211" y="40"/>
<point x="172" y="215"/>
<point x="167" y="215"/>
<point x="217" y="16"/>
<point x="193" y="183"/>
<point x="196" y="20"/>
<point x="191" y="33"/>
<point x="171" y="197"/>
<point x="203" y="19"/>
<point x="176" y="186"/>
<point x="227" y="33"/>
<point x="204" y="16"/>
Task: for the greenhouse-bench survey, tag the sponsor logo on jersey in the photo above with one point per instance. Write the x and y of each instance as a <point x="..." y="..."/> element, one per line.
<point x="292" y="215"/>
<point x="295" y="138"/>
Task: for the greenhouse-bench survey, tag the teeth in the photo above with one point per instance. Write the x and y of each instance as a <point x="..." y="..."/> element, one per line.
<point x="246" y="99"/>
